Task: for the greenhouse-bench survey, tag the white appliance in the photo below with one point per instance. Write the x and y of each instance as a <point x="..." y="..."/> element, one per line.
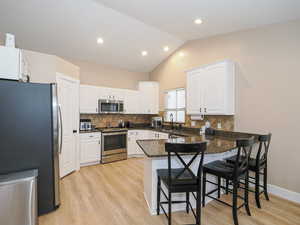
<point x="12" y="64"/>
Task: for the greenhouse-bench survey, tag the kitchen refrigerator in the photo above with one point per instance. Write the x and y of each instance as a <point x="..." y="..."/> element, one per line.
<point x="30" y="136"/>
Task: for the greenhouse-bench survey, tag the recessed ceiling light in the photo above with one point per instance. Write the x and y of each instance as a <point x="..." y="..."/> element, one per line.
<point x="144" y="53"/>
<point x="166" y="48"/>
<point x="181" y="54"/>
<point x="100" y="41"/>
<point x="198" y="21"/>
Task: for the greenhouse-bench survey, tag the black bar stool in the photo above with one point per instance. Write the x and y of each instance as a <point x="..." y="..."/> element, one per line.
<point x="181" y="180"/>
<point x="259" y="165"/>
<point x="232" y="172"/>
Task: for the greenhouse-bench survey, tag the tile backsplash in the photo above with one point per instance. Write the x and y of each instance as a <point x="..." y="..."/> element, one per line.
<point x="104" y="120"/>
<point x="227" y="122"/>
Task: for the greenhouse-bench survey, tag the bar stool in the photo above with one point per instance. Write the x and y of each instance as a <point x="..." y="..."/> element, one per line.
<point x="181" y="180"/>
<point x="232" y="172"/>
<point x="258" y="165"/>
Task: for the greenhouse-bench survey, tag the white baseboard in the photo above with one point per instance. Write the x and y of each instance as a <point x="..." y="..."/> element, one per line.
<point x="284" y="193"/>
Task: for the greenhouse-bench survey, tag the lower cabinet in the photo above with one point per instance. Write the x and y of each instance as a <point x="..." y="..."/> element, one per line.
<point x="134" y="135"/>
<point x="90" y="148"/>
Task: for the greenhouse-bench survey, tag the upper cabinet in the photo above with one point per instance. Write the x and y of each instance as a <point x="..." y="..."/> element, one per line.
<point x="148" y="97"/>
<point x="211" y="89"/>
<point x="89" y="96"/>
<point x="142" y="101"/>
<point x="131" y="99"/>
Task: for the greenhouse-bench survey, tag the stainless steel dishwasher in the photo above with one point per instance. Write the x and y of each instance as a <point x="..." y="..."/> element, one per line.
<point x="18" y="197"/>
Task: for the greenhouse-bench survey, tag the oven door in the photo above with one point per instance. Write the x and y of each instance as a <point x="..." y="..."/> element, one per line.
<point x="108" y="106"/>
<point x="114" y="143"/>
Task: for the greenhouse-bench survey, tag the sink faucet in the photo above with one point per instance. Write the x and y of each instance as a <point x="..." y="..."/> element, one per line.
<point x="172" y="121"/>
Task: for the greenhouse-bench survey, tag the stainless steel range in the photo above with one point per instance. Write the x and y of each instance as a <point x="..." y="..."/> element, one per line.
<point x="114" y="145"/>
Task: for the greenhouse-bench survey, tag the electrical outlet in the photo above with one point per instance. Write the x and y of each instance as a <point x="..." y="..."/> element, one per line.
<point x="193" y="123"/>
<point x="219" y="125"/>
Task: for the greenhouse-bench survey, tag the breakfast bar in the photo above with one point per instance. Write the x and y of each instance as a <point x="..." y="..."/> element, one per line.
<point x="220" y="145"/>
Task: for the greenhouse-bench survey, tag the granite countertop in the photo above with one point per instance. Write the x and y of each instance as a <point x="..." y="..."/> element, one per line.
<point x="220" y="142"/>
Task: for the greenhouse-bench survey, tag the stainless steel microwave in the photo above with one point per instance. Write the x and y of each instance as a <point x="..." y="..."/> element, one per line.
<point x="110" y="106"/>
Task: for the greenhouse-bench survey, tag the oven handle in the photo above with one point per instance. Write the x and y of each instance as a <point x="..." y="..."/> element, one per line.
<point x="113" y="133"/>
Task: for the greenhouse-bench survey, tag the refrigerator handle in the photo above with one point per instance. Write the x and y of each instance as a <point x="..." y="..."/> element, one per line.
<point x="61" y="129"/>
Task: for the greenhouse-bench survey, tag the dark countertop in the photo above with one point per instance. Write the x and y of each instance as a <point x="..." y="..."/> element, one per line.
<point x="220" y="142"/>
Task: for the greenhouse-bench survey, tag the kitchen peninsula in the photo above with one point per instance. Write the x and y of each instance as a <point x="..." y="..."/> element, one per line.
<point x="220" y="145"/>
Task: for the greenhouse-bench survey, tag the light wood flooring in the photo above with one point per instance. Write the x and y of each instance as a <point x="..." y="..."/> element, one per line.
<point x="112" y="194"/>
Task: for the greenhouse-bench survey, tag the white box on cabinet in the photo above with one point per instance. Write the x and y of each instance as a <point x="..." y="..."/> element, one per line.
<point x="10" y="63"/>
<point x="211" y="89"/>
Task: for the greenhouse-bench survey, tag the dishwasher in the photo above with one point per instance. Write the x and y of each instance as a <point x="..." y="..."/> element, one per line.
<point x="18" y="198"/>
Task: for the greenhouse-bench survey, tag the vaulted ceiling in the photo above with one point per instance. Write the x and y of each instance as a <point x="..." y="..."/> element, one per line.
<point x="70" y="28"/>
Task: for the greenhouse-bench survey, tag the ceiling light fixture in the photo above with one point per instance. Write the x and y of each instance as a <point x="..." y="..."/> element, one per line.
<point x="144" y="53"/>
<point x="100" y="41"/>
<point x="198" y="21"/>
<point x="166" y="48"/>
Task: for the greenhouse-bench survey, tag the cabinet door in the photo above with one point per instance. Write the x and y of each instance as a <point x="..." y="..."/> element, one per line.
<point x="131" y="102"/>
<point x="88" y="99"/>
<point x="214" y="93"/>
<point x="148" y="97"/>
<point x="193" y="93"/>
<point x="154" y="98"/>
<point x="161" y="135"/>
<point x="89" y="151"/>
<point x="132" y="146"/>
<point x="141" y="135"/>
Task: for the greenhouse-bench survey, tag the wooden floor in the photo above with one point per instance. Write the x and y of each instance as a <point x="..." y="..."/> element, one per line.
<point x="112" y="194"/>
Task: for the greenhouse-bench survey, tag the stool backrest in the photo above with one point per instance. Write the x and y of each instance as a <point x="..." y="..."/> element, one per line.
<point x="243" y="155"/>
<point x="263" y="149"/>
<point x="194" y="150"/>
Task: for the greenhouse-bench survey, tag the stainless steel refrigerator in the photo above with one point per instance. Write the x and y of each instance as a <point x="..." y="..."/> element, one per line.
<point x="30" y="136"/>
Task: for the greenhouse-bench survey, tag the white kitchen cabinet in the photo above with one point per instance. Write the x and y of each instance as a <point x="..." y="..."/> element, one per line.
<point x="89" y="99"/>
<point x="193" y="96"/>
<point x="157" y="135"/>
<point x="149" y="97"/>
<point x="90" y="148"/>
<point x="143" y="101"/>
<point x="211" y="89"/>
<point x="132" y="146"/>
<point x="134" y="135"/>
<point x="161" y="135"/>
<point x="131" y="102"/>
